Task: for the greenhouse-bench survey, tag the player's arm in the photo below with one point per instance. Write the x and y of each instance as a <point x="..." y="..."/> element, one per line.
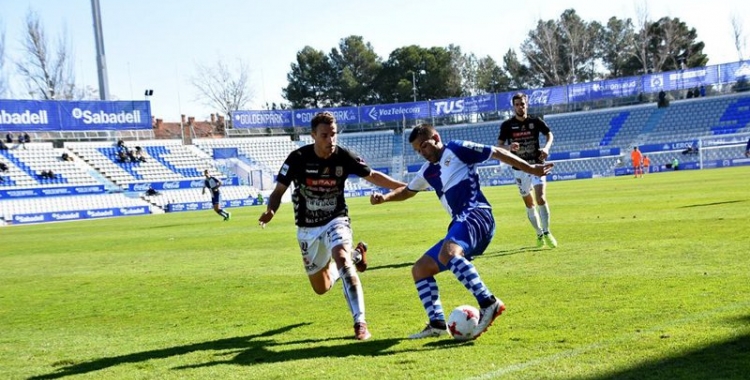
<point x="381" y="179"/>
<point x="544" y="152"/>
<point x="511" y="146"/>
<point x="400" y="194"/>
<point x="274" y="201"/>
<point x="204" y="188"/>
<point x="511" y="159"/>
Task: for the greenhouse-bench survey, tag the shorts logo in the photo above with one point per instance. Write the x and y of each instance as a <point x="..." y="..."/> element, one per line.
<point x="339" y="171"/>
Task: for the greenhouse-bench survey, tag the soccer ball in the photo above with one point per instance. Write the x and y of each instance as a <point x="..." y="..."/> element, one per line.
<point x="462" y="321"/>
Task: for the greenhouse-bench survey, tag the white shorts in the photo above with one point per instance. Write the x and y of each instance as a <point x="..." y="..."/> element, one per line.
<point x="316" y="243"/>
<point x="526" y="181"/>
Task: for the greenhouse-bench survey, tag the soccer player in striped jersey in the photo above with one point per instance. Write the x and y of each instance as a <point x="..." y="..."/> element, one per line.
<point x="213" y="184"/>
<point x="451" y="172"/>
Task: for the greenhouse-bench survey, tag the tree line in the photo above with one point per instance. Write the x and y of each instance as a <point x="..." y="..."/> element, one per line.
<point x="555" y="52"/>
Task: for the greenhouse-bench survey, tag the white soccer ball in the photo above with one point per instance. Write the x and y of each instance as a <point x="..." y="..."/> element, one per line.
<point x="462" y="321"/>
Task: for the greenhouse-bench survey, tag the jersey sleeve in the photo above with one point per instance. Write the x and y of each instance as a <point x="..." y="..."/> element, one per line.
<point x="288" y="168"/>
<point x="419" y="183"/>
<point x="504" y="132"/>
<point x="542" y="126"/>
<point x="470" y="152"/>
<point x="355" y="164"/>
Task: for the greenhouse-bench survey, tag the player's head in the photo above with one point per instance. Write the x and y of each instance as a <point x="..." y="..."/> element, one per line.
<point x="520" y="104"/>
<point x="635" y="148"/>
<point x="324" y="133"/>
<point x="426" y="141"/>
<point x="205" y="173"/>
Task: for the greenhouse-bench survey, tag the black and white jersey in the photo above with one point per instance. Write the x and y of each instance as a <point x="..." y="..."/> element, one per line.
<point x="318" y="195"/>
<point x="526" y="134"/>
<point x="211" y="183"/>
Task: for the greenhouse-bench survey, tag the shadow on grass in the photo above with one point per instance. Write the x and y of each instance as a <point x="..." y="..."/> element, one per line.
<point x="713" y="203"/>
<point x="246" y="350"/>
<point x="729" y="359"/>
<point x="390" y="266"/>
<point x="514" y="251"/>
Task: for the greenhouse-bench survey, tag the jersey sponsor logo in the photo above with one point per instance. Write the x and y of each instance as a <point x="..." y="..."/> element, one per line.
<point x="321" y="182"/>
<point x="311" y="171"/>
<point x="325" y="204"/>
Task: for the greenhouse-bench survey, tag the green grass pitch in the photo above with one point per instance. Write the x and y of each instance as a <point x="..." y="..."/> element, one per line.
<point x="651" y="281"/>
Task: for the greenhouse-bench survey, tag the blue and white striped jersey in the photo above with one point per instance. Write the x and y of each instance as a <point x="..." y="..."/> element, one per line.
<point x="455" y="177"/>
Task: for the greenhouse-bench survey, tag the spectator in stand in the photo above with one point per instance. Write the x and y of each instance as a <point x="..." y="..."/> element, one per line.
<point x="139" y="154"/>
<point x="22" y="141"/>
<point x="66" y="157"/>
<point x="26" y="137"/>
<point x="9" y="138"/>
<point x="3" y="146"/>
<point x="47" y="174"/>
<point x="702" y="91"/>
<point x="3" y="167"/>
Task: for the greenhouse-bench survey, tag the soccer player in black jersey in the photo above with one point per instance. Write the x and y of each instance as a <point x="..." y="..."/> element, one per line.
<point x="213" y="184"/>
<point x="319" y="172"/>
<point x="520" y="135"/>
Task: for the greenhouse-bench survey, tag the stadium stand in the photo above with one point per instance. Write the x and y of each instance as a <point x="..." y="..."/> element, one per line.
<point x="609" y="133"/>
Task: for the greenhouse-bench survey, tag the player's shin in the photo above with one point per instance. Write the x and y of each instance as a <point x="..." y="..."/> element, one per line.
<point x="353" y="292"/>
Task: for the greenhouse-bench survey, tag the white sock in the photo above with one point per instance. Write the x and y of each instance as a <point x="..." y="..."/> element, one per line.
<point x="531" y="213"/>
<point x="544" y="215"/>
<point x="333" y="274"/>
<point x="353" y="293"/>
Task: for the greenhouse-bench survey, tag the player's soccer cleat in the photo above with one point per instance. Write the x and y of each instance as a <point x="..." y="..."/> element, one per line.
<point x="229" y="216"/>
<point x="361" y="332"/>
<point x="359" y="256"/>
<point x="539" y="241"/>
<point x="550" y="240"/>
<point x="487" y="315"/>
<point x="429" y="332"/>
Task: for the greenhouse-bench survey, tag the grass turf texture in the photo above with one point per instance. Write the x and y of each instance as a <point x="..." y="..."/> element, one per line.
<point x="650" y="281"/>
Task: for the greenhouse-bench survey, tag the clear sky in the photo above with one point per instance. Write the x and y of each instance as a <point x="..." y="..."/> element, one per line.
<point x="156" y="44"/>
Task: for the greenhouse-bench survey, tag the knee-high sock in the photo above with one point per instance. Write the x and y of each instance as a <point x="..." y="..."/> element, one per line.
<point x="427" y="290"/>
<point x="353" y="293"/>
<point x="333" y="274"/>
<point x="544" y="216"/>
<point x="531" y="213"/>
<point x="466" y="273"/>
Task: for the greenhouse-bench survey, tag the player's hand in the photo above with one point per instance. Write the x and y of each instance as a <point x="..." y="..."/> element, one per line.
<point x="265" y="217"/>
<point x="542" y="169"/>
<point x="377" y="198"/>
<point x="514" y="147"/>
<point x="543" y="154"/>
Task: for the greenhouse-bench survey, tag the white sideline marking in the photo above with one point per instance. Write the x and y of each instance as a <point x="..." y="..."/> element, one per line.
<point x="630" y="336"/>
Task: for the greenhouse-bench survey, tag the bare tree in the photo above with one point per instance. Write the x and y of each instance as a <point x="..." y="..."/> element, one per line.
<point x="738" y="35"/>
<point x="221" y="86"/>
<point x="48" y="75"/>
<point x="642" y="37"/>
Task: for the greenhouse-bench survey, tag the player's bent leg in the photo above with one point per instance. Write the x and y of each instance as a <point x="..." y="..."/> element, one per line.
<point x="322" y="281"/>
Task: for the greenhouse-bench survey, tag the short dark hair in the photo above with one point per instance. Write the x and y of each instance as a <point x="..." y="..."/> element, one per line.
<point x="519" y="96"/>
<point x="322" y="118"/>
<point x="423" y="130"/>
